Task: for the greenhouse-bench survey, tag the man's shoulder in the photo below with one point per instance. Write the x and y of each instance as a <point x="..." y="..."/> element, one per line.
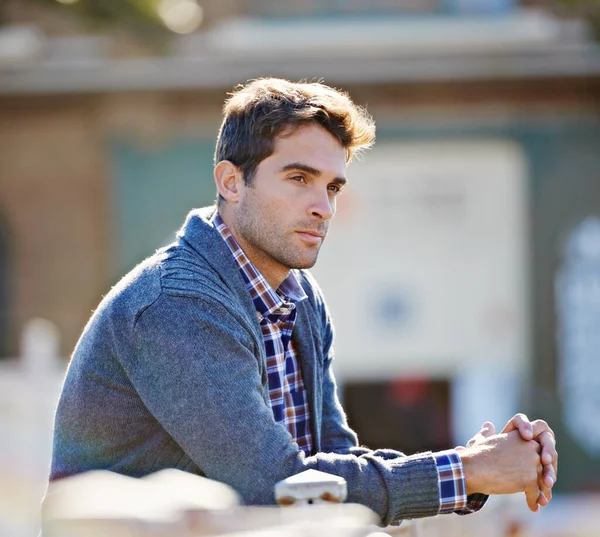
<point x="139" y="288"/>
<point x="175" y="270"/>
<point x="197" y="265"/>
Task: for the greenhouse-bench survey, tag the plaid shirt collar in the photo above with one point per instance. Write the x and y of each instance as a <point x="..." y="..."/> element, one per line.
<point x="269" y="303"/>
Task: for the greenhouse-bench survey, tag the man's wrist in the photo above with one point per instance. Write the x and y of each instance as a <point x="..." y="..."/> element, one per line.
<point x="470" y="463"/>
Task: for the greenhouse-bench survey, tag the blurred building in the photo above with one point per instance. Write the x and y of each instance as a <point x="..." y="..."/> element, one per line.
<point x="461" y="225"/>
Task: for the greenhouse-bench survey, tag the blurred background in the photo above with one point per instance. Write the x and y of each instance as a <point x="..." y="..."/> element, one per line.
<point x="471" y="231"/>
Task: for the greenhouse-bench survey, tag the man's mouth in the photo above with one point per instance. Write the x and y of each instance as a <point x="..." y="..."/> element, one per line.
<point x="313" y="237"/>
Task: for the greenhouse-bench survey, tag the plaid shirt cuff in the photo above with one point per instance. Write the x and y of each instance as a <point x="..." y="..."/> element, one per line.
<point x="452" y="485"/>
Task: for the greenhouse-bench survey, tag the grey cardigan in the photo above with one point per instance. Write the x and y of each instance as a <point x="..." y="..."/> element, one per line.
<point x="170" y="372"/>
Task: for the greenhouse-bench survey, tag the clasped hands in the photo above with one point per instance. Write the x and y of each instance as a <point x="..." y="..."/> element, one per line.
<point x="522" y="458"/>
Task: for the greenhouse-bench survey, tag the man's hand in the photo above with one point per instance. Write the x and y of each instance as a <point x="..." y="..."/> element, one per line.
<point x="539" y="431"/>
<point x="502" y="464"/>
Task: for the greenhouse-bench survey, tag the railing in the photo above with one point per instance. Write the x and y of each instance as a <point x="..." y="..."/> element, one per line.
<point x="175" y="503"/>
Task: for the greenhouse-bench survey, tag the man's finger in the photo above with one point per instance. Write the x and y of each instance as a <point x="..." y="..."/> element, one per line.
<point x="549" y="455"/>
<point x="532" y="496"/>
<point x="543" y="500"/>
<point x="541" y="426"/>
<point x="551" y="472"/>
<point x="521" y="423"/>
<point x="545" y="490"/>
<point x="545" y="436"/>
<point x="487" y="429"/>
<point x="546" y="493"/>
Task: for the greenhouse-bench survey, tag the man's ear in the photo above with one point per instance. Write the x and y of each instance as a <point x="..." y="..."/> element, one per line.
<point x="230" y="181"/>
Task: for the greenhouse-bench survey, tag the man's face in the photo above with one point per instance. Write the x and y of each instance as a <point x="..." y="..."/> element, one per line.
<point x="282" y="218"/>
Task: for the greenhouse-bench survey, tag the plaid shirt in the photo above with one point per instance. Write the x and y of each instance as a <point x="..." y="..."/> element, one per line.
<point x="276" y="311"/>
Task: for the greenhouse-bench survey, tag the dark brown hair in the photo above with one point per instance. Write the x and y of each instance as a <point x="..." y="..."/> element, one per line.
<point x="258" y="112"/>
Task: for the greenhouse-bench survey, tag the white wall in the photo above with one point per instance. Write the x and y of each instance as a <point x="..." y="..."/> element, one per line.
<point x="438" y="231"/>
<point x="434" y="233"/>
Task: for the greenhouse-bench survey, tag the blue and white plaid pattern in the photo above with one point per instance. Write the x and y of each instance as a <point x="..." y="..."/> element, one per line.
<point x="276" y="311"/>
<point x="453" y="491"/>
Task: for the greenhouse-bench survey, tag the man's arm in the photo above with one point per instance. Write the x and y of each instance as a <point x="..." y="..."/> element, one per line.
<point x="539" y="431"/>
<point x="339" y="438"/>
<point x="197" y="369"/>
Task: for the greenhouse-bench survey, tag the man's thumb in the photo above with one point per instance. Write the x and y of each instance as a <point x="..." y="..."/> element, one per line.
<point x="487" y="429"/>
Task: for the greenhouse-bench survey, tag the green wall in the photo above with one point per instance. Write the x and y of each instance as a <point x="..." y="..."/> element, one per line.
<point x="153" y="191"/>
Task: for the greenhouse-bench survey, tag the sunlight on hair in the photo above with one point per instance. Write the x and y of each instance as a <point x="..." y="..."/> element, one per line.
<point x="181" y="16"/>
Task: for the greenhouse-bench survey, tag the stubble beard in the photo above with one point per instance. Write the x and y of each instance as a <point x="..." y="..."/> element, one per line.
<point x="268" y="241"/>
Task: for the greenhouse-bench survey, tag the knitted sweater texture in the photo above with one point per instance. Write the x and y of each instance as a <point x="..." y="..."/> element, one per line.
<point x="170" y="372"/>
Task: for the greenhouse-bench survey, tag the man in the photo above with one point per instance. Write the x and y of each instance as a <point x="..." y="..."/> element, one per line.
<point x="214" y="355"/>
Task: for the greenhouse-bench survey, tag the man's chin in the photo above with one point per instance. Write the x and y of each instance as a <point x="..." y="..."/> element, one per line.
<point x="300" y="264"/>
<point x="306" y="264"/>
<point x="297" y="258"/>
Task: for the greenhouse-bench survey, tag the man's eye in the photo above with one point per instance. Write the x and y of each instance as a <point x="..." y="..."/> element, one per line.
<point x="334" y="188"/>
<point x="298" y="178"/>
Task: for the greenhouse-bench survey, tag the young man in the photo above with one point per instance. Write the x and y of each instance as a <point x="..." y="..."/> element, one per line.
<point x="214" y="355"/>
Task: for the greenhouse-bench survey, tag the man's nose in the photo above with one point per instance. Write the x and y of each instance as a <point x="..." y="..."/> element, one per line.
<point x="323" y="205"/>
